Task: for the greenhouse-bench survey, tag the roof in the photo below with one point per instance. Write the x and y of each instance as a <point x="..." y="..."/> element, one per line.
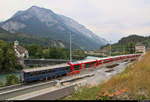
<point x="20" y="49"/>
<point x="45" y="68"/>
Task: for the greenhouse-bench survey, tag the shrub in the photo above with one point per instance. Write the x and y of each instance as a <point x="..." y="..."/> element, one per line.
<point x="11" y="79"/>
<point x="1" y="84"/>
<point x="19" y="67"/>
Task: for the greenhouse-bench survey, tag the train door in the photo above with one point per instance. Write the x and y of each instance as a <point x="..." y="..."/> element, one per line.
<point x="77" y="67"/>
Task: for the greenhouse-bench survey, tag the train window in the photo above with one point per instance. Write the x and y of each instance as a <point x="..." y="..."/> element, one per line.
<point x="31" y="73"/>
<point x="43" y="72"/>
<point x="99" y="62"/>
<point x="49" y="71"/>
<point x="35" y="73"/>
<point x="63" y="68"/>
<point x="105" y="61"/>
<point x="76" y="67"/>
<point x="38" y="73"/>
<point x="66" y="68"/>
<point x="46" y="71"/>
<point x="53" y="70"/>
<point x="58" y="69"/>
<point x="82" y="66"/>
<point x="90" y="64"/>
<point x="26" y="75"/>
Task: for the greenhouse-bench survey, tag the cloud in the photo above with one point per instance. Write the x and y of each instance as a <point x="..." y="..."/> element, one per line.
<point x="111" y="19"/>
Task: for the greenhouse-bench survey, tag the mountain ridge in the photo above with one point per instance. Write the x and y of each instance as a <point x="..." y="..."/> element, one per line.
<point x="125" y="41"/>
<point x="44" y="22"/>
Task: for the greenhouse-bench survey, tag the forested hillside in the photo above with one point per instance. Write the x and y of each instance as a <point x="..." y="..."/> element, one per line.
<point x="24" y="38"/>
<point x="127" y="44"/>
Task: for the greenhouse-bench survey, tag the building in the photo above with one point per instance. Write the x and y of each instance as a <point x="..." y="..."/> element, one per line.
<point x="21" y="52"/>
<point x="140" y="48"/>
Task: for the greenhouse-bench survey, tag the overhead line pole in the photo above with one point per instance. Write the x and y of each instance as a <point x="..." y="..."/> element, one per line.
<point x="110" y="47"/>
<point x="70" y="48"/>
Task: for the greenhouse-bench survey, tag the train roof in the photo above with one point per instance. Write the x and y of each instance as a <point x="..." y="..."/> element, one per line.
<point x="90" y="60"/>
<point x="83" y="61"/>
<point x="45" y="68"/>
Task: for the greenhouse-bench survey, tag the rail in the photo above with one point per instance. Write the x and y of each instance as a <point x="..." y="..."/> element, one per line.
<point x="25" y="89"/>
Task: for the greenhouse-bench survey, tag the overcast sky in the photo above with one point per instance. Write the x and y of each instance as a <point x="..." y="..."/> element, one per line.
<point x="110" y="19"/>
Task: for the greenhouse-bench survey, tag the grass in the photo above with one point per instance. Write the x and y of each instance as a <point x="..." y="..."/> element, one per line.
<point x="132" y="84"/>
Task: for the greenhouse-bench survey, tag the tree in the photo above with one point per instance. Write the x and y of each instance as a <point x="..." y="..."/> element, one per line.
<point x="11" y="79"/>
<point x="130" y="47"/>
<point x="46" y="53"/>
<point x="1" y="59"/>
<point x="18" y="67"/>
<point x="59" y="53"/>
<point x="35" y="51"/>
<point x="7" y="57"/>
<point x="10" y="60"/>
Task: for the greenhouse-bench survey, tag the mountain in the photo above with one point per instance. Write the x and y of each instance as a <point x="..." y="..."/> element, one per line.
<point x="45" y="23"/>
<point x="3" y="31"/>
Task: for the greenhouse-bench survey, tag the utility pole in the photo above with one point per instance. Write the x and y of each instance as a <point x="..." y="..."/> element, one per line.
<point x="70" y="49"/>
<point x="110" y="47"/>
<point x="124" y="50"/>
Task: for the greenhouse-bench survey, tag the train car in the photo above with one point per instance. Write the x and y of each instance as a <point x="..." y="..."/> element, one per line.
<point x="78" y="65"/>
<point x="45" y="73"/>
<point x="83" y="64"/>
<point x="89" y="63"/>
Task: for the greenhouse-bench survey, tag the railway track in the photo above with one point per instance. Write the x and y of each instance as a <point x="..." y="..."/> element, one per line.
<point x="21" y="89"/>
<point x="25" y="89"/>
<point x="21" y="85"/>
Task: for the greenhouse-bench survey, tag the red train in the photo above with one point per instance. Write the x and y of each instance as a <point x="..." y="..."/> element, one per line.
<point x="77" y="66"/>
